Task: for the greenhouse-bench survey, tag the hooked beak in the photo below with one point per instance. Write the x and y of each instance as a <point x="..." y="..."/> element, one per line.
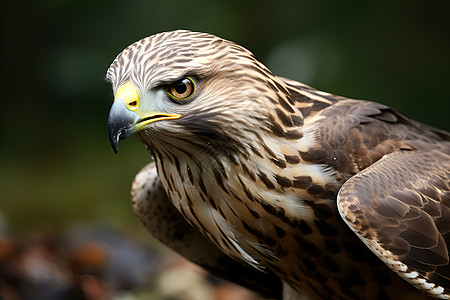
<point x="126" y="116"/>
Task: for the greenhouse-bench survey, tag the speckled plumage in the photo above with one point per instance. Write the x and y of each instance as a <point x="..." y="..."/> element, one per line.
<point x="281" y="176"/>
<point x="164" y="222"/>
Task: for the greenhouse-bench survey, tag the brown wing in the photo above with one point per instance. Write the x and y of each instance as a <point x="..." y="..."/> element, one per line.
<point x="164" y="222"/>
<point x="400" y="208"/>
<point x="353" y="134"/>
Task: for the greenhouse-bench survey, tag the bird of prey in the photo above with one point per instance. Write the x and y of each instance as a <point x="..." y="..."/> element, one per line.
<point x="338" y="198"/>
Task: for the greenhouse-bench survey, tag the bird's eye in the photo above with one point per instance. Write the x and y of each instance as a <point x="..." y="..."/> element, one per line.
<point x="181" y="89"/>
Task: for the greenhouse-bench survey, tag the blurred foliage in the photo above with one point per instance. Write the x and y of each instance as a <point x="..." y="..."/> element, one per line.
<point x="56" y="164"/>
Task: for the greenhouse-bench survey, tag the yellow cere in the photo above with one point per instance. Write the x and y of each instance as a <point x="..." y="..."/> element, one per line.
<point x="129" y="94"/>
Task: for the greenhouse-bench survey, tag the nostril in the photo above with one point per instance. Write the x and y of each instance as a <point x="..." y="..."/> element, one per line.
<point x="132" y="104"/>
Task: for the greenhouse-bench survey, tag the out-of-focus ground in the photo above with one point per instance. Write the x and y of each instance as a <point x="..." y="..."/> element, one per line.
<point x="58" y="173"/>
<point x="101" y="263"/>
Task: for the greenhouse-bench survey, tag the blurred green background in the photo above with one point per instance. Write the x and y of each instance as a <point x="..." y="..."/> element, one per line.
<point x="57" y="167"/>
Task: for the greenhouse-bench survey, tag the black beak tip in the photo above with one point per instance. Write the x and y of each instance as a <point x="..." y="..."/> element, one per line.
<point x="115" y="148"/>
<point x="120" y="124"/>
<point x="114" y="141"/>
<point x="113" y="134"/>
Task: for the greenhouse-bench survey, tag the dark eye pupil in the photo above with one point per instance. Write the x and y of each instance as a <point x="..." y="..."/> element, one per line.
<point x="181" y="87"/>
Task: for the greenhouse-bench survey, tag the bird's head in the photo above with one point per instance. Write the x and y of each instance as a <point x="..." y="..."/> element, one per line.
<point x="190" y="86"/>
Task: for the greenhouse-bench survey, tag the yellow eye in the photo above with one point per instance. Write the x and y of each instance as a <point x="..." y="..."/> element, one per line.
<point x="181" y="89"/>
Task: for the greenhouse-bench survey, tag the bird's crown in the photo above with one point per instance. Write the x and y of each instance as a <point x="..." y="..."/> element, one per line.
<point x="168" y="56"/>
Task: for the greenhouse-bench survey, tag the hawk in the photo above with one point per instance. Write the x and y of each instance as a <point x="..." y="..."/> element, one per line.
<point x="338" y="198"/>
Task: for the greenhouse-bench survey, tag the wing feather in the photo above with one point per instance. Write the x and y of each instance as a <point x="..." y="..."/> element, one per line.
<point x="399" y="207"/>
